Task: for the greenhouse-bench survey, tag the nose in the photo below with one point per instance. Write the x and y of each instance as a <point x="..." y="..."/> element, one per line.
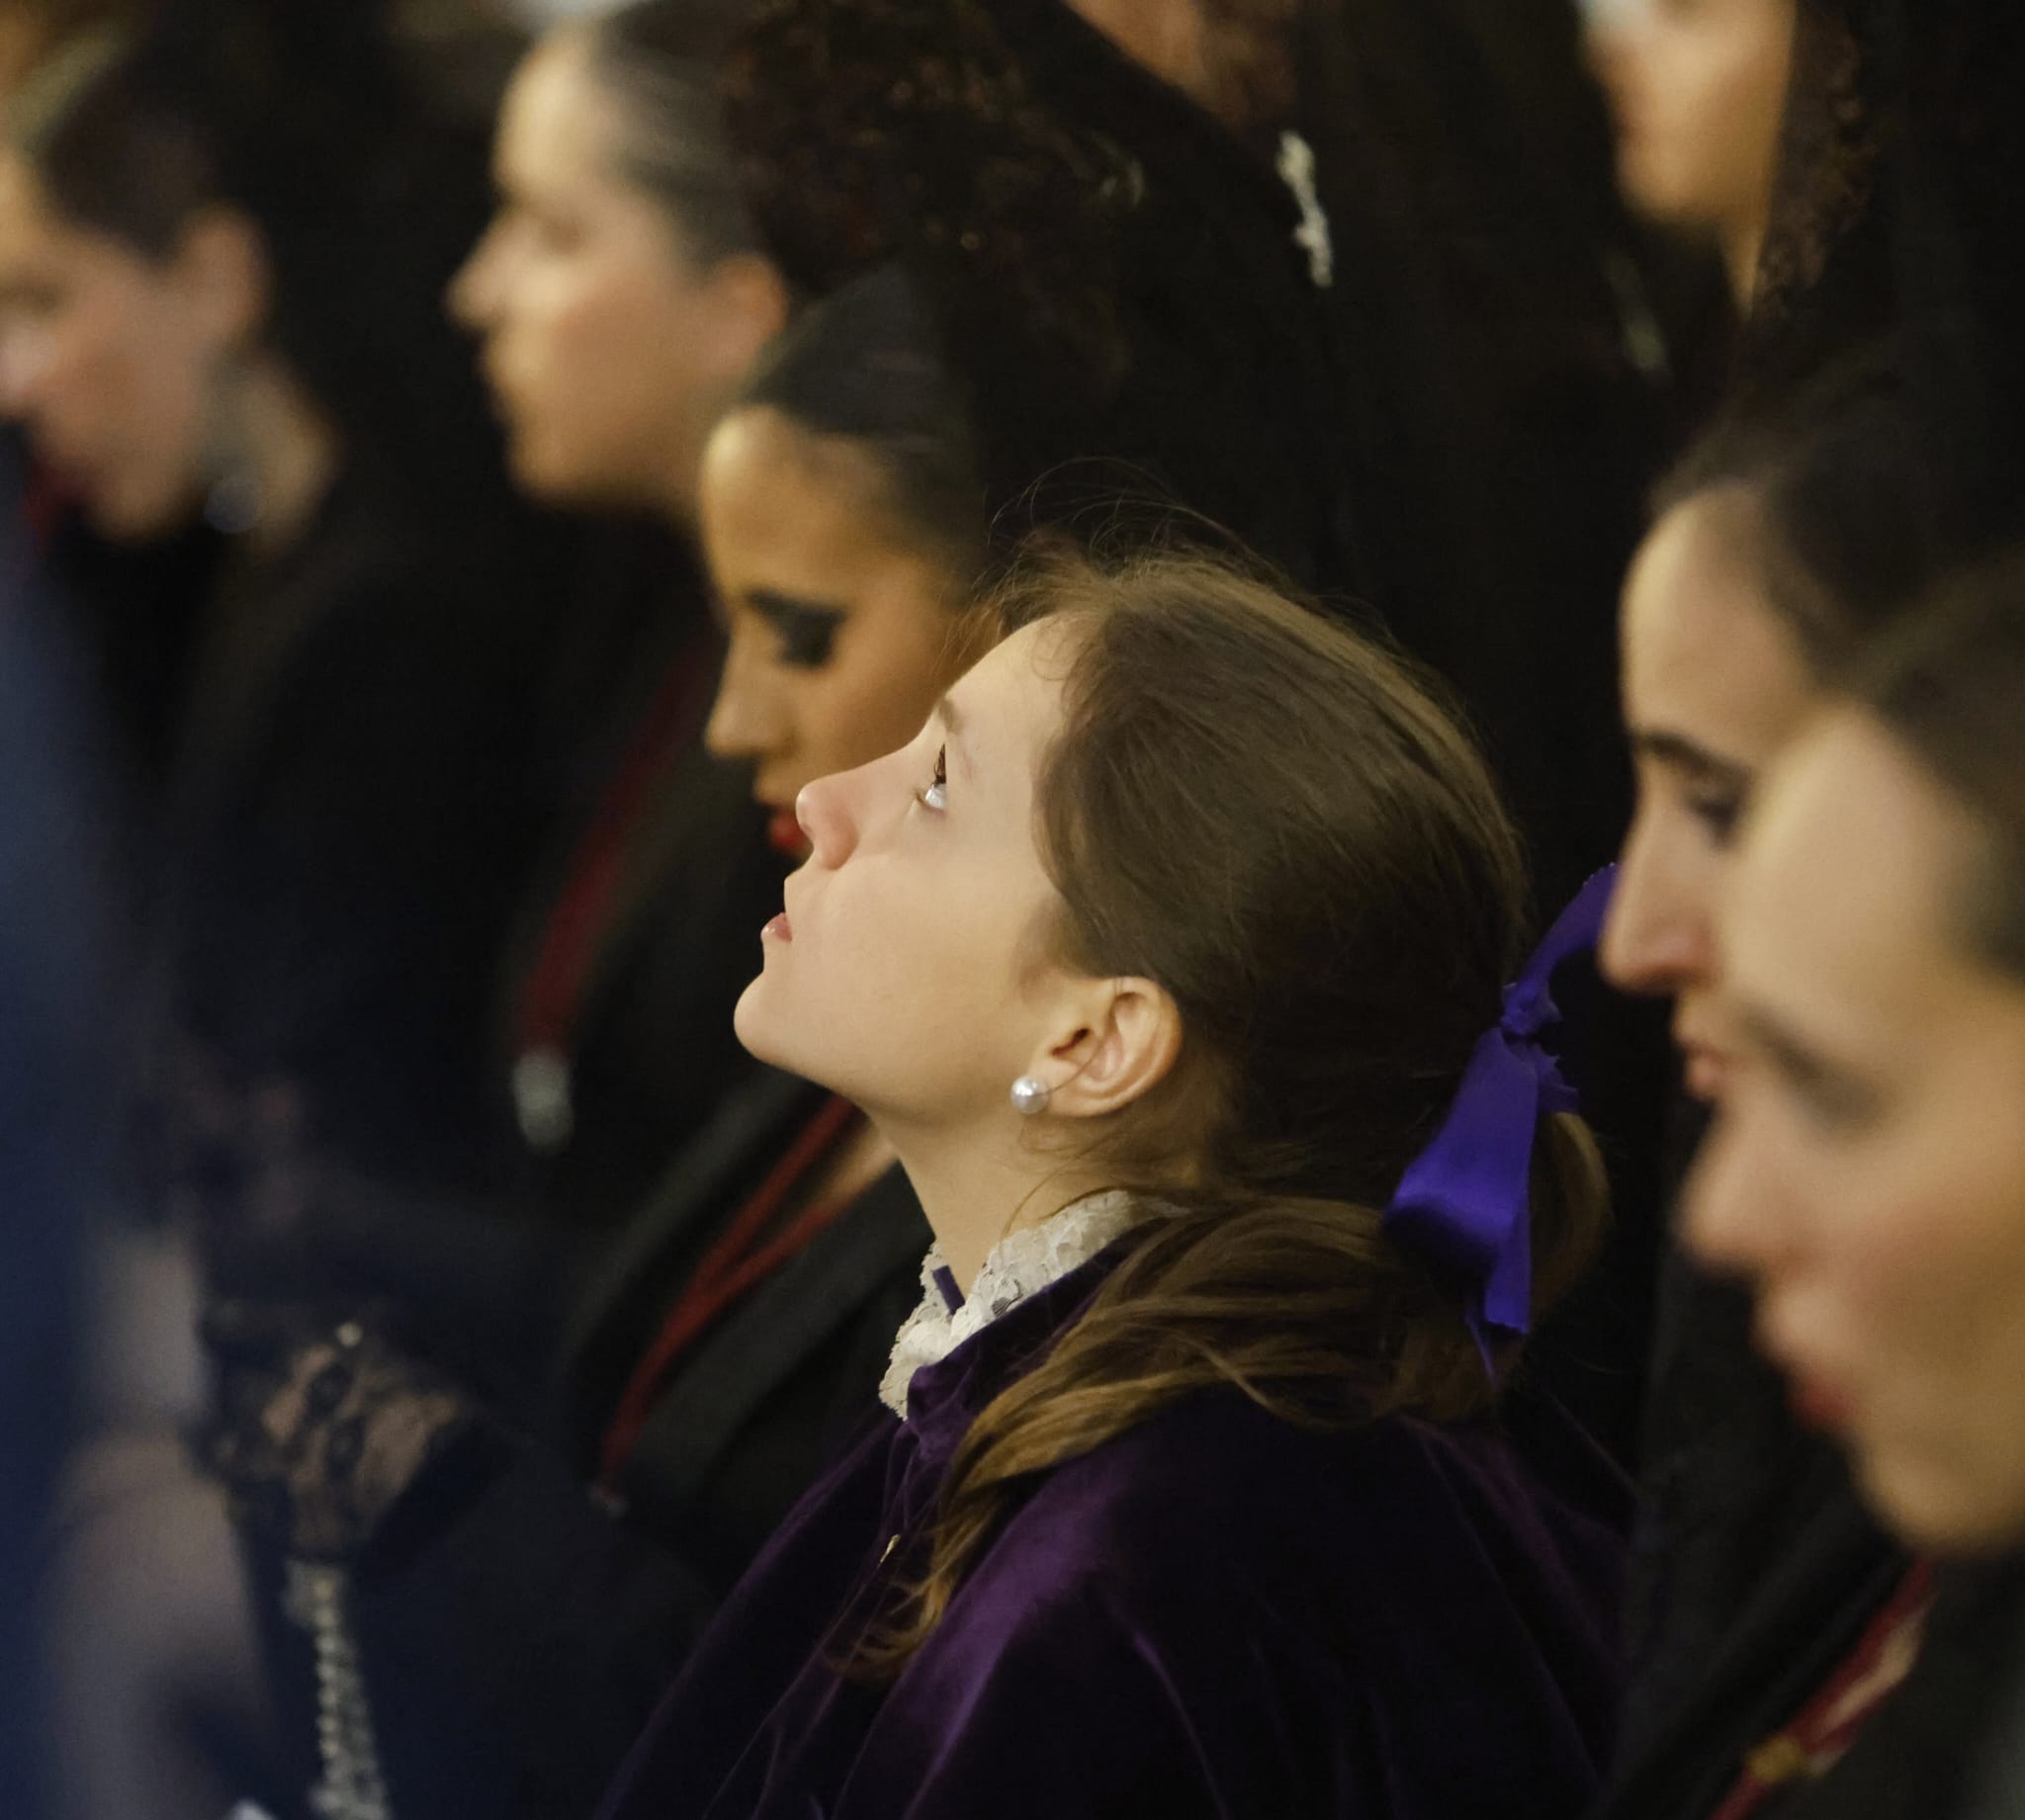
<point x="829" y="819"/>
<point x="22" y="364"/>
<point x="1607" y="23"/>
<point x="469" y="299"/>
<point x="746" y="720"/>
<point x="1660" y="936"/>
<point x="1608" y="29"/>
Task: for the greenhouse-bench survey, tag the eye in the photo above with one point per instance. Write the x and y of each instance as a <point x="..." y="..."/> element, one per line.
<point x="805" y="630"/>
<point x="936" y="795"/>
<point x="808" y="640"/>
<point x="1718" y="815"/>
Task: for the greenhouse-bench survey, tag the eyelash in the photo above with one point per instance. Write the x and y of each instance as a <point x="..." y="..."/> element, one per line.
<point x="807" y="643"/>
<point x="935" y="796"/>
<point x="1719" y="816"/>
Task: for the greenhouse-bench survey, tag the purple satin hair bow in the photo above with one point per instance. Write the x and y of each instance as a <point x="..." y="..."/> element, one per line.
<point x="1463" y="1202"/>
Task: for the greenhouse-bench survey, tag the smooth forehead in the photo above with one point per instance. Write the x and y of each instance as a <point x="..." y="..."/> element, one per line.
<point x="757" y="454"/>
<point x="1843" y="888"/>
<point x="1703" y="652"/>
<point x="1011" y="699"/>
<point x="554" y="124"/>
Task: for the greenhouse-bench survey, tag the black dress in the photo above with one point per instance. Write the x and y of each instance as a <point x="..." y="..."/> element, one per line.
<point x="477" y="1263"/>
<point x="1448" y="436"/>
<point x="351" y="819"/>
<point x="1756" y="1567"/>
<point x="515" y="1627"/>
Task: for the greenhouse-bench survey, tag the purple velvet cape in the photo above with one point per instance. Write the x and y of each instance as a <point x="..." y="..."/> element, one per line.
<point x="1218" y="1613"/>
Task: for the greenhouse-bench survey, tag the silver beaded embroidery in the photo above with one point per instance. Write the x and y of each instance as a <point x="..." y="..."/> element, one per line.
<point x="353" y="1785"/>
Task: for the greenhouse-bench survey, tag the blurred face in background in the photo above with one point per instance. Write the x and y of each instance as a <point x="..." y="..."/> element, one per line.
<point x="842" y="628"/>
<point x="1867" y="1174"/>
<point x="1698" y="89"/>
<point x="1714" y="684"/>
<point x="112" y="360"/>
<point x="611" y="348"/>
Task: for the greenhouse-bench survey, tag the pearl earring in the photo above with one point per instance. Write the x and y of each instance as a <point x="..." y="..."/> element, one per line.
<point x="1031" y="1094"/>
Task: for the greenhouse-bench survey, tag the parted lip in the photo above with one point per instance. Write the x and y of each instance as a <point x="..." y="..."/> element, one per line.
<point x="1819" y="1397"/>
<point x="1704" y="1068"/>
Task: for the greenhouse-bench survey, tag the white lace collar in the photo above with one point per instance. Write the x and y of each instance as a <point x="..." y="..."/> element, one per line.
<point x="1022" y="1264"/>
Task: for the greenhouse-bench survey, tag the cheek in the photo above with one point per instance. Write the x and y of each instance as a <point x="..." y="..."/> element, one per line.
<point x="869" y="715"/>
<point x="1708" y="137"/>
<point x="132" y="397"/>
<point x="898" y="991"/>
<point x="1941" y="1275"/>
<point x="614" y="359"/>
<point x="1936" y="1310"/>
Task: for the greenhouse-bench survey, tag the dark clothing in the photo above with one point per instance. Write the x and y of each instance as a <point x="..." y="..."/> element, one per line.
<point x="481" y="1272"/>
<point x="1997" y="1780"/>
<point x="52" y="921"/>
<point x="1756" y="1567"/>
<point x="139" y="614"/>
<point x="1217" y="1613"/>
<point x="1931" y="1750"/>
<point x="1449" y="434"/>
<point x="652" y="1051"/>
<point x="351" y="823"/>
<point x="516" y="1630"/>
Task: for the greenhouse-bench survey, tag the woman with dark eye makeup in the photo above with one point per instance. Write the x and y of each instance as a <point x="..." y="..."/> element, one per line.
<point x="844" y="516"/>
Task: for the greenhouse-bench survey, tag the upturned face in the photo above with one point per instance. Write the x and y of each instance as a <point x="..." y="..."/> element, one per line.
<point x="910" y="970"/>
<point x="1867" y="1174"/>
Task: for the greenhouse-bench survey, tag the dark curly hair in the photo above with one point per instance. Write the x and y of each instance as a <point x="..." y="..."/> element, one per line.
<point x="875" y="130"/>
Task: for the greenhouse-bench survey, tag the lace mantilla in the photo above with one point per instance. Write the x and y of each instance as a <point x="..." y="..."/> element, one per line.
<point x="1022" y="1264"/>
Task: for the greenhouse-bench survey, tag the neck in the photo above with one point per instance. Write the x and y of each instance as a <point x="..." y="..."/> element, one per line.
<point x="289" y="450"/>
<point x="1164" y="36"/>
<point x="1742" y="245"/>
<point x="976" y="1187"/>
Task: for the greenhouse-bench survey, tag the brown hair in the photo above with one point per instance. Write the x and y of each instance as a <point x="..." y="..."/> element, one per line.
<point x="1837" y="489"/>
<point x="657" y="63"/>
<point x="1276" y="820"/>
<point x="366" y="186"/>
<point x="1951" y="685"/>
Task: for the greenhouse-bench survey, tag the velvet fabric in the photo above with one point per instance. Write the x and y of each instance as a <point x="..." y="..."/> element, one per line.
<point x="1217" y="1613"/>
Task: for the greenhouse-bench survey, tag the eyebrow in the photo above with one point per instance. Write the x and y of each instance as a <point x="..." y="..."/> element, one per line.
<point x="1685" y="754"/>
<point x="951" y="717"/>
<point x="772" y="604"/>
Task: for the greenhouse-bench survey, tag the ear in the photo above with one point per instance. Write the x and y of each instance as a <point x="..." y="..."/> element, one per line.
<point x="752" y="306"/>
<point x="220" y="265"/>
<point x="1126" y="1045"/>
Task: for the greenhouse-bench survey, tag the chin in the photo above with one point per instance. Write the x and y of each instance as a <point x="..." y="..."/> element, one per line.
<point x="756" y="1022"/>
<point x="1953" y="1515"/>
<point x="137" y="521"/>
<point x="537" y="473"/>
